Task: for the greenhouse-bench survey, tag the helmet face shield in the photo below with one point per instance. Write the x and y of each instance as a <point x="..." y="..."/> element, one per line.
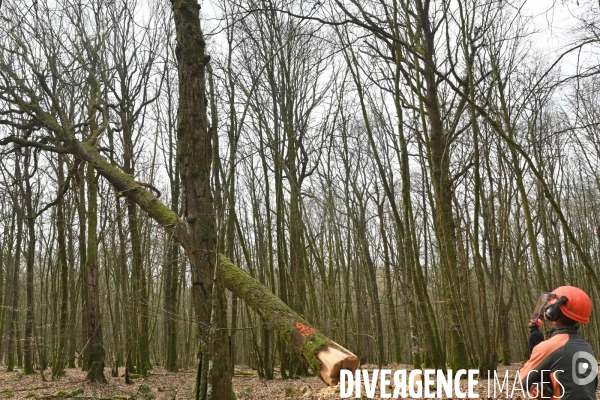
<point x="572" y="302"/>
<point x="541" y="304"/>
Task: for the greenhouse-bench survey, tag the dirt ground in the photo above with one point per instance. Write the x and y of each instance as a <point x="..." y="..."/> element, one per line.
<point x="163" y="385"/>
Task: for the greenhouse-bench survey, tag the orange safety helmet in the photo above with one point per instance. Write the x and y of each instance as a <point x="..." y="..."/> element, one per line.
<point x="578" y="305"/>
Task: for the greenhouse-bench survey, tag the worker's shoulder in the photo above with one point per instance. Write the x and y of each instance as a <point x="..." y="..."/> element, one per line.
<point x="577" y="343"/>
<point x="551" y="345"/>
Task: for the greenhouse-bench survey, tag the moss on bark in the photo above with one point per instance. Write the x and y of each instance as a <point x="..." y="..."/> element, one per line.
<point x="303" y="338"/>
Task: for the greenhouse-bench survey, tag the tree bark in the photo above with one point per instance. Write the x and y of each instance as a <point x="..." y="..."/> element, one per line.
<point x="14" y="298"/>
<point x="439" y="160"/>
<point x="172" y="264"/>
<point x="6" y="259"/>
<point x="319" y="353"/>
<point x="82" y="278"/>
<point x="95" y="362"/>
<point x="28" y="353"/>
<point x="73" y="298"/>
<point x="125" y="297"/>
<point x="376" y="306"/>
<point x="138" y="275"/>
<point x="60" y="357"/>
<point x="194" y="154"/>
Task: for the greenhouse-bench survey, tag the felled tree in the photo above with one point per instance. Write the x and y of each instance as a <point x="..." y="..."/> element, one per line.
<point x="196" y="232"/>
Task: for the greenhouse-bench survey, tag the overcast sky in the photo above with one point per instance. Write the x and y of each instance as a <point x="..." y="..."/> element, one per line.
<point x="556" y="23"/>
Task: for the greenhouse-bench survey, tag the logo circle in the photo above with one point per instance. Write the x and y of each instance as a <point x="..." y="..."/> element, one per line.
<point x="583" y="367"/>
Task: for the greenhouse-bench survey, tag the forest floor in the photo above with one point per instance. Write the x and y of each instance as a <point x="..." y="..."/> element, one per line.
<point x="161" y="385"/>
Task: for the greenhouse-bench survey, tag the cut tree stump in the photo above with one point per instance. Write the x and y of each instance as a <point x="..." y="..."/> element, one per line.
<point x="321" y="354"/>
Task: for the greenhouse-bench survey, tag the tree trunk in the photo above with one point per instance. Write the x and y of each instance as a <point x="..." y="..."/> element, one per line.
<point x="269" y="306"/>
<point x="389" y="289"/>
<point x="376" y="304"/>
<point x="28" y="353"/>
<point x="138" y="276"/>
<point x="125" y="297"/>
<point x="95" y="362"/>
<point x="172" y="270"/>
<point x="195" y="157"/>
<point x="60" y="357"/>
<point x="171" y="283"/>
<point x="82" y="218"/>
<point x="14" y="298"/>
<point x="439" y="164"/>
<point x="318" y="352"/>
<point x="73" y="297"/>
<point x="6" y="259"/>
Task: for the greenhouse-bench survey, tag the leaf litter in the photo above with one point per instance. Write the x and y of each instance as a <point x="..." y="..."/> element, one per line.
<point x="163" y="385"/>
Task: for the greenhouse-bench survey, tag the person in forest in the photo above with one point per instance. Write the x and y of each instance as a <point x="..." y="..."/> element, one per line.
<point x="535" y="336"/>
<point x="564" y="366"/>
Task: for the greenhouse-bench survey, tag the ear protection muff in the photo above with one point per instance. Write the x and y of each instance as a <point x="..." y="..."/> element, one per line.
<point x="552" y="312"/>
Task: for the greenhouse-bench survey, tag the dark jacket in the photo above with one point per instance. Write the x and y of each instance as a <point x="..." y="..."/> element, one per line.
<point x="567" y="363"/>
<point x="535" y="338"/>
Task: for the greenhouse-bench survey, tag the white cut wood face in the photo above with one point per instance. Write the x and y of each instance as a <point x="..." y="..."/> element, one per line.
<point x="333" y="360"/>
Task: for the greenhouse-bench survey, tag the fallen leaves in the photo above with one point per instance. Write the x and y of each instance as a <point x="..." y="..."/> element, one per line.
<point x="162" y="385"/>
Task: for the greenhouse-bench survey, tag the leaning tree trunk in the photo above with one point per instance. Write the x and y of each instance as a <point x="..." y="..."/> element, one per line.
<point x="317" y="351"/>
<point x="197" y="234"/>
<point x="312" y="345"/>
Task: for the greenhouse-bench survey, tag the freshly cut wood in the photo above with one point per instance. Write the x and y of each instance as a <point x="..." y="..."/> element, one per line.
<point x="317" y="351"/>
<point x="334" y="359"/>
